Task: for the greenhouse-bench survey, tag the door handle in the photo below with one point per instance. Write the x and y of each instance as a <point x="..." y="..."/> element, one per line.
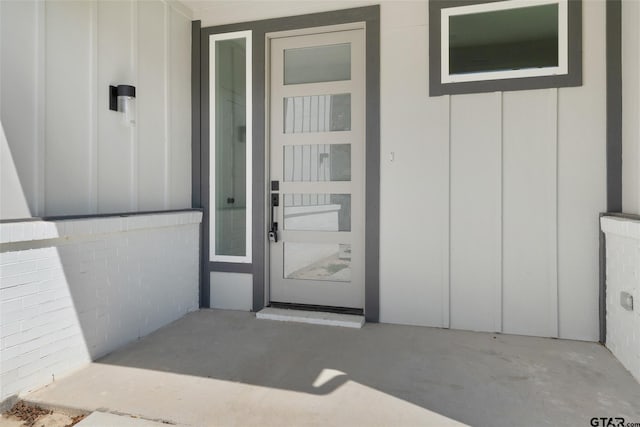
<point x="273" y="230"/>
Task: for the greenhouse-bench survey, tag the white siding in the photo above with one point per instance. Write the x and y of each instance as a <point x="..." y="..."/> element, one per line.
<point x="414" y="187"/>
<point x="178" y="182"/>
<point x="20" y="93"/>
<point x="151" y="93"/>
<point x="582" y="183"/>
<point x="476" y="211"/>
<point x="529" y="213"/>
<point x="66" y="153"/>
<point x="68" y="76"/>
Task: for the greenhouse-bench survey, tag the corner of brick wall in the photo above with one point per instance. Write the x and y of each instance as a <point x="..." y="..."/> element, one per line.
<point x="623" y="275"/>
<point x="72" y="291"/>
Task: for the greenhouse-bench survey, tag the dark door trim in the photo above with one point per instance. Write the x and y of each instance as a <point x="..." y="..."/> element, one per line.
<point x="370" y="15"/>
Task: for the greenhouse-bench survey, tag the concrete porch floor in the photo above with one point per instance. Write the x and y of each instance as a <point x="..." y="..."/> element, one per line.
<point x="229" y="368"/>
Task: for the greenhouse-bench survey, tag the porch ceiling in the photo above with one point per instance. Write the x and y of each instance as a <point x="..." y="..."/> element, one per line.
<point x="222" y="367"/>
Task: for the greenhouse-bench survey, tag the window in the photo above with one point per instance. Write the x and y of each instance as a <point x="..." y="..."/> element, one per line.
<point x="230" y="147"/>
<point x="504" y="45"/>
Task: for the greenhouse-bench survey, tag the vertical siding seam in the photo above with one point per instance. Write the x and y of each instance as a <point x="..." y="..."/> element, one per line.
<point x="167" y="104"/>
<point x="40" y="95"/>
<point x="446" y="306"/>
<point x="93" y="109"/>
<point x="133" y="132"/>
<point x="500" y="240"/>
<point x="555" y="224"/>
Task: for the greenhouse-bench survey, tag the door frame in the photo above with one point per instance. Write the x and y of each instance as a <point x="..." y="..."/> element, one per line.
<point x="369" y="16"/>
<point x="269" y="37"/>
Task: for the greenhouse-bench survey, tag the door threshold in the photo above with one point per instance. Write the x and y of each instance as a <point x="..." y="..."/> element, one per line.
<point x="321" y="308"/>
<point x="311" y="317"/>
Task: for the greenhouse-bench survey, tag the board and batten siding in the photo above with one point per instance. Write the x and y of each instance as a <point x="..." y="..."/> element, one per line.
<point x="489" y="208"/>
<point x="492" y="198"/>
<point x="63" y="150"/>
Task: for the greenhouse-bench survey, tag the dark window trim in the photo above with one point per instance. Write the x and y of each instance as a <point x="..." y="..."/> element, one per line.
<point x="370" y="15"/>
<point x="436" y="87"/>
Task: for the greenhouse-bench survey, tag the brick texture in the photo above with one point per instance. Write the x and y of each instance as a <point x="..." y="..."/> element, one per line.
<point x="73" y="291"/>
<point x="623" y="275"/>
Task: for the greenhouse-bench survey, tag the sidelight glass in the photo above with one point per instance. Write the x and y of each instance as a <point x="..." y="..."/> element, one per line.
<point x="317" y="163"/>
<point x="231" y="149"/>
<point x="317" y="212"/>
<point x="317" y="64"/>
<point x="317" y="261"/>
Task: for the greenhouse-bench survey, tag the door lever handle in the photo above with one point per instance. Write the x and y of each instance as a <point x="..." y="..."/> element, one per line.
<point x="273" y="230"/>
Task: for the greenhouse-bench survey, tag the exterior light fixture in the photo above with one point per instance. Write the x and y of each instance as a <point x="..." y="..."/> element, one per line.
<point x="122" y="98"/>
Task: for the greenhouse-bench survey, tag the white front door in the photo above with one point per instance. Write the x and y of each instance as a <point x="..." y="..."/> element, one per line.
<point x="317" y="152"/>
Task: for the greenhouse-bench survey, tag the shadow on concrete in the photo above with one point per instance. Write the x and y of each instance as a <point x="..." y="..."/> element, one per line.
<point x="474" y="378"/>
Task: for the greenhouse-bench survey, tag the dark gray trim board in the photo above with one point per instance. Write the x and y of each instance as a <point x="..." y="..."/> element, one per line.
<point x="613" y="145"/>
<point x="203" y="149"/>
<point x="614" y="105"/>
<point x="573" y="78"/>
<point x="196" y="155"/>
<point x="230" y="267"/>
<point x="195" y="115"/>
<point x="371" y="16"/>
<point x="372" y="178"/>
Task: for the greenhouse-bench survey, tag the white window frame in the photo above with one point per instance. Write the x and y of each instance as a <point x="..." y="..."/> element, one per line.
<point x="563" y="42"/>
<point x="213" y="38"/>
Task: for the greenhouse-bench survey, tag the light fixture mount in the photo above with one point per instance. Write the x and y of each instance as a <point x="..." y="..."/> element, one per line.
<point x="117" y="91"/>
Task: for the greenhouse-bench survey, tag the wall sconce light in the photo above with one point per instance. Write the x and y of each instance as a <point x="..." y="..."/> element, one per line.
<point x="122" y="98"/>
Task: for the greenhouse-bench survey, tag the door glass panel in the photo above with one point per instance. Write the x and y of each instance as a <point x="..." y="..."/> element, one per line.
<point x="317" y="163"/>
<point x="317" y="64"/>
<point x="317" y="113"/>
<point x="317" y="261"/>
<point x="230" y="148"/>
<point x="317" y="212"/>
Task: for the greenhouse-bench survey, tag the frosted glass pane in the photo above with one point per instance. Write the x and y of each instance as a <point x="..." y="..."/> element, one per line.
<point x="317" y="212"/>
<point x="317" y="64"/>
<point x="317" y="163"/>
<point x="317" y="113"/>
<point x="230" y="148"/>
<point x="317" y="261"/>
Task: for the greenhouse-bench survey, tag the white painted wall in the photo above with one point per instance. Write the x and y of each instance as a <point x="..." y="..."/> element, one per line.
<point x="489" y="211"/>
<point x="631" y="106"/>
<point x="72" y="291"/>
<point x="65" y="152"/>
<point x="231" y="291"/>
<point x="623" y="275"/>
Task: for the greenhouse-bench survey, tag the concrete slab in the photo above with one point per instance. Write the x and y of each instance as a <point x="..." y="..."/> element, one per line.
<point x="311" y="317"/>
<point x="228" y="368"/>
<point x="103" y="419"/>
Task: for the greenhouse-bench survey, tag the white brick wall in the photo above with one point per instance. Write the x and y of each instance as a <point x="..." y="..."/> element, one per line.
<point x="623" y="275"/>
<point x="72" y="291"/>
